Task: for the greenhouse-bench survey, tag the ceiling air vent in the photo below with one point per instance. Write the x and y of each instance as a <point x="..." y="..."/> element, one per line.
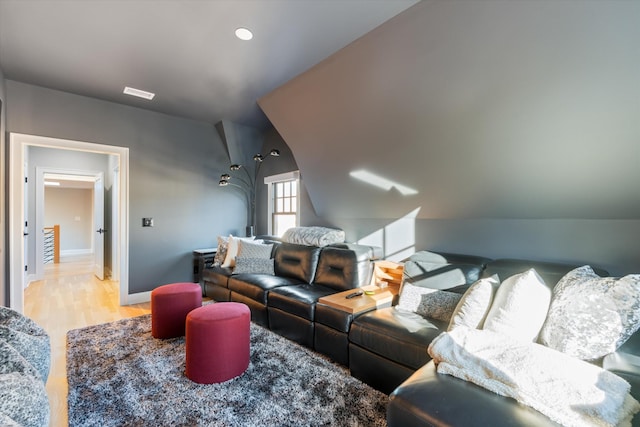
<point x="139" y="93"/>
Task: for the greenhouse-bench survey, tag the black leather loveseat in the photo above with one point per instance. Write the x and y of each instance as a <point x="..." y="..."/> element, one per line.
<point x="286" y="302"/>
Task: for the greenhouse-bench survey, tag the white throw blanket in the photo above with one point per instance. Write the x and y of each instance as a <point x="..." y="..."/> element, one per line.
<point x="567" y="390"/>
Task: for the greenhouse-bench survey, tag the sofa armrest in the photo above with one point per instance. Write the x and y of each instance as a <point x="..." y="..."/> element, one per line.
<point x="627" y="366"/>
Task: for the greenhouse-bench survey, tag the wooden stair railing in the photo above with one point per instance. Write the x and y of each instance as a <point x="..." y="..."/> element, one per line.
<point x="52" y="244"/>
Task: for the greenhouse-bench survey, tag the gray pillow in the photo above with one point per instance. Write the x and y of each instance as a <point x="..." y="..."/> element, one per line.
<point x="591" y="316"/>
<point x="254" y="250"/>
<point x="427" y="302"/>
<point x="253" y="265"/>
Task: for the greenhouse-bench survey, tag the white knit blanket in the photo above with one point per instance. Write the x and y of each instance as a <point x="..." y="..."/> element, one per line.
<point x="567" y="390"/>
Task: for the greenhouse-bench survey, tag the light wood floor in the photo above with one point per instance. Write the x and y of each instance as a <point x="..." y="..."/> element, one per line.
<point x="71" y="297"/>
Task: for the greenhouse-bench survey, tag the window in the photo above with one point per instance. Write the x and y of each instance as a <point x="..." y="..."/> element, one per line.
<point x="284" y="202"/>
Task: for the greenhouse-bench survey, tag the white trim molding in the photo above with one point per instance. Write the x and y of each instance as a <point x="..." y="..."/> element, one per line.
<point x="18" y="145"/>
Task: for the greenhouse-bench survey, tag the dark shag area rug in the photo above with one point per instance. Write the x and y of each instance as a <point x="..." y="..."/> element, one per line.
<point x="119" y="375"/>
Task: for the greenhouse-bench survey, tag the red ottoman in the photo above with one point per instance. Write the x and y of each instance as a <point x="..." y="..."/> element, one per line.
<point x="217" y="342"/>
<point x="170" y="305"/>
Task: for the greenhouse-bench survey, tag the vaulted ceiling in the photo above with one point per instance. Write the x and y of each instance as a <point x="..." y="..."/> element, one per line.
<point x="474" y="109"/>
<point x="185" y="51"/>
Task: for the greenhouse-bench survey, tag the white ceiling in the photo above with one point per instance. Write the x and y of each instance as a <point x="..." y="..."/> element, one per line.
<point x="184" y="51"/>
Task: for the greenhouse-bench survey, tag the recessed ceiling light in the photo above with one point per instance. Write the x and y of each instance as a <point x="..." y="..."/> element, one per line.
<point x="139" y="93"/>
<point x="244" y="34"/>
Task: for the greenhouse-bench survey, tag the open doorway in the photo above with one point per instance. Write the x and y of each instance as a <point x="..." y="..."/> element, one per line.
<point x="71" y="205"/>
<point x="19" y="209"/>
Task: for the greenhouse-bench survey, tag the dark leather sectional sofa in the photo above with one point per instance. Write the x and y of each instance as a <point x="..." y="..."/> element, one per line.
<point x="286" y="302"/>
<point x="387" y="347"/>
<point x="427" y="398"/>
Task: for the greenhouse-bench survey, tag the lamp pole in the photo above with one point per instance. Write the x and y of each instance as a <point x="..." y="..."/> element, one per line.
<point x="248" y="184"/>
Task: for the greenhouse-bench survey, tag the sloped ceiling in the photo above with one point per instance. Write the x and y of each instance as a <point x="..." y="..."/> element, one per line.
<point x="490" y="109"/>
<point x="184" y="51"/>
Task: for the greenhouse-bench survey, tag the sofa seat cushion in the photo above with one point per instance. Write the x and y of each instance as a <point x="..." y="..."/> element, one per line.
<point x="217" y="276"/>
<point x="453" y="401"/>
<point x="399" y="335"/>
<point x="257" y="286"/>
<point x="299" y="300"/>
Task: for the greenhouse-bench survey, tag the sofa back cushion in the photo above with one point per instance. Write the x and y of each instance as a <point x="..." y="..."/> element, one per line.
<point x="343" y="269"/>
<point x="444" y="271"/>
<point x="433" y="283"/>
<point x="296" y="261"/>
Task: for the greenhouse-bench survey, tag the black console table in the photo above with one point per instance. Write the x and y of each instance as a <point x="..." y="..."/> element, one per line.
<point x="202" y="257"/>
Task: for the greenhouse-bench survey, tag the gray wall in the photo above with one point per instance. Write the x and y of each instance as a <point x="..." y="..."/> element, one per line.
<point x="515" y="122"/>
<point x="609" y="244"/>
<point x="72" y="210"/>
<point x="175" y="166"/>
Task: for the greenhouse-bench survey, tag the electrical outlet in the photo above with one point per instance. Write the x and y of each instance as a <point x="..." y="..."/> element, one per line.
<point x="147" y="222"/>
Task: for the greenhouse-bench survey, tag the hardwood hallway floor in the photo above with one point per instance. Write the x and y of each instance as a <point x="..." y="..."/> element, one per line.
<point x="71" y="297"/>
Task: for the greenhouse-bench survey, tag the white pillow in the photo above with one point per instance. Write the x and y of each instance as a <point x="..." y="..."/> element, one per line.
<point x="475" y="304"/>
<point x="520" y="306"/>
<point x="232" y="250"/>
<point x="591" y="316"/>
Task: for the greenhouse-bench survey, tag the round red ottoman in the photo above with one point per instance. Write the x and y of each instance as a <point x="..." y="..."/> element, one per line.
<point x="217" y="342"/>
<point x="170" y="305"/>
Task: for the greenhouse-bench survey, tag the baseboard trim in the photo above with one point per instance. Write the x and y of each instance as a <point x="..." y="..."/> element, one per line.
<point x="138" y="298"/>
<point x="30" y="278"/>
<point x="74" y="252"/>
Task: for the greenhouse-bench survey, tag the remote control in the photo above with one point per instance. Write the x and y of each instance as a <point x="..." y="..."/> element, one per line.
<point x="354" y="294"/>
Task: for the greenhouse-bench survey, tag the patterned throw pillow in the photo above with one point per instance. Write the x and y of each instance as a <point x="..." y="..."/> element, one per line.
<point x="313" y="236"/>
<point x="520" y="306"/>
<point x="254" y="250"/>
<point x="254" y="266"/>
<point x="475" y="304"/>
<point x="221" y="253"/>
<point x="591" y="316"/>
<point x="232" y="250"/>
<point x="427" y="302"/>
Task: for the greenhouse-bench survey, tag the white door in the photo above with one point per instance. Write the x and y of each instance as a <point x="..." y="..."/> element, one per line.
<point x="98" y="224"/>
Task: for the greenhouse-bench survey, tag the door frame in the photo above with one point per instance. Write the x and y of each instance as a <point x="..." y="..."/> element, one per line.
<point x="18" y="145"/>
